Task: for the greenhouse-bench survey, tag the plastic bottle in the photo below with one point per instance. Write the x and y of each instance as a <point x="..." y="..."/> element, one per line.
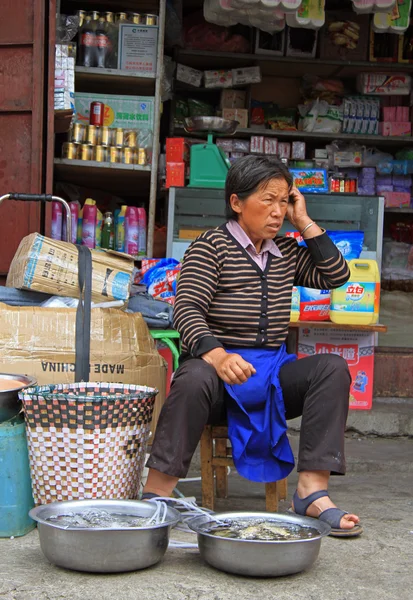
<point x="87" y="44"/>
<point x="131" y="231"/>
<point x="89" y="223"/>
<point x="99" y="225"/>
<point x="108" y="237"/>
<point x="141" y="231"/>
<point x="57" y="218"/>
<point x="357" y="302"/>
<point x="295" y="305"/>
<point x="79" y="227"/>
<point x="120" y="229"/>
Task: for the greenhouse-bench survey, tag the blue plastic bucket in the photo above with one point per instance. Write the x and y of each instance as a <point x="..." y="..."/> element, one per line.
<point x="15" y="490"/>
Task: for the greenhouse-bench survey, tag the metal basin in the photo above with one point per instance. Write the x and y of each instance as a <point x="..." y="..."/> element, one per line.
<point x="212" y="124"/>
<point x="103" y="550"/>
<point x="10" y="405"/>
<point x="256" y="558"/>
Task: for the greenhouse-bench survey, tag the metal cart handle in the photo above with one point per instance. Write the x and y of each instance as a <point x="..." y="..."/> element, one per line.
<point x="44" y="198"/>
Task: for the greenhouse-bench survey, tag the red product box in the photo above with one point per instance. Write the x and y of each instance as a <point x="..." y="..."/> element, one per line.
<point x="257" y="144"/>
<point x="175" y="174"/>
<point x="395" y="129"/>
<point x="270" y="146"/>
<point x="402" y="114"/>
<point x="397" y="199"/>
<point x="177" y="150"/>
<point x="357" y="349"/>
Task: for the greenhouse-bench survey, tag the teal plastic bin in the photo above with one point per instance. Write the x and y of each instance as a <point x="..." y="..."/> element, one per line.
<point x="15" y="490"/>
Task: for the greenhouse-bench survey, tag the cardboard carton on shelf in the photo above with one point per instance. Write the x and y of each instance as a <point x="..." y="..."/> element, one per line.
<point x="41" y="342"/>
<point x="233" y="99"/>
<point x="396" y="199"/>
<point x="50" y="266"/>
<point x="175" y="174"/>
<point x="236" y="114"/>
<point x="395" y="129"/>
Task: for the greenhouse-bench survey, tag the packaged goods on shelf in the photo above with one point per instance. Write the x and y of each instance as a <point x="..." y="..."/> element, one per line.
<point x="314" y="304"/>
<point x="218" y="79"/>
<point x="233" y="99"/>
<point x="270" y="146"/>
<point x="321" y="117"/>
<point x="188" y="75"/>
<point x="45" y="265"/>
<point x="361" y="115"/>
<point x="137" y="49"/>
<point x="395" y="129"/>
<point x="284" y="150"/>
<point x="127" y="112"/>
<point x="175" y="174"/>
<point x="236" y="114"/>
<point x="348" y="158"/>
<point x="384" y="84"/>
<point x="298" y="150"/>
<point x="393" y="21"/>
<point x="397" y="199"/>
<point x="345" y="36"/>
<point x="373" y="6"/>
<point x="246" y="76"/>
<point x="64" y="86"/>
<point x="257" y="144"/>
<point x="310" y="181"/>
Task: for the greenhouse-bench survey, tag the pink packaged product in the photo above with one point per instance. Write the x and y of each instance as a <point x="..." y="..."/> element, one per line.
<point x="298" y="151"/>
<point x="284" y="150"/>
<point x="389" y="114"/>
<point x="57" y="219"/>
<point x="402" y="114"/>
<point x="271" y="146"/>
<point x="397" y="199"/>
<point x="384" y="84"/>
<point x="395" y="129"/>
<point x="257" y="144"/>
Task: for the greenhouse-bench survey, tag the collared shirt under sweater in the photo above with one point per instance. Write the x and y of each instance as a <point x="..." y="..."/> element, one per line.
<point x="225" y="299"/>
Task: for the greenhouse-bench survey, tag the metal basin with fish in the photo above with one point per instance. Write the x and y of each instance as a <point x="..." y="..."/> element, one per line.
<point x="260" y="547"/>
<point x="10" y="386"/>
<point x="73" y="538"/>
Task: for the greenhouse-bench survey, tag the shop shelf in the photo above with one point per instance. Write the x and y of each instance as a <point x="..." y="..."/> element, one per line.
<point x="115" y="81"/>
<point x="284" y="66"/>
<point x="377" y="328"/>
<point x="390" y="209"/>
<point x="113" y="177"/>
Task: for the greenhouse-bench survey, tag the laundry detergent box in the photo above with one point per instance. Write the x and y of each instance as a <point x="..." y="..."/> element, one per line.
<point x="128" y="112"/>
<point x="311" y="181"/>
<point x="314" y="304"/>
<point x="357" y="349"/>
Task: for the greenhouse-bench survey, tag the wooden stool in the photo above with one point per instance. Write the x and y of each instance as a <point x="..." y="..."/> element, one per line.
<point x="218" y="462"/>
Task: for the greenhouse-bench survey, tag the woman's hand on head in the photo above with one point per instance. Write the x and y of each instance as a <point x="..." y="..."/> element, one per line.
<point x="297" y="210"/>
<point x="231" y="368"/>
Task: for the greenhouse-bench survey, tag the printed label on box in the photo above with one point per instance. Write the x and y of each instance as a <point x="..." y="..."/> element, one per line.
<point x="137" y="48"/>
<point x="357" y="349"/>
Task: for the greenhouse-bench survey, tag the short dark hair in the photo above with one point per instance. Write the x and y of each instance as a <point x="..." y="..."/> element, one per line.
<point x="249" y="174"/>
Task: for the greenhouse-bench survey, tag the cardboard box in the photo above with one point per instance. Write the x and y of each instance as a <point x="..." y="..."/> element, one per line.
<point x="175" y="174"/>
<point x="50" y="266"/>
<point x="41" y="342"/>
<point x="356" y="347"/>
<point x="397" y="199"/>
<point x="177" y="150"/>
<point x="137" y="48"/>
<point x="129" y="112"/>
<point x="237" y="114"/>
<point x="218" y="79"/>
<point x="345" y="36"/>
<point x="233" y="99"/>
<point x="246" y="76"/>
<point x="394" y="129"/>
<point x="188" y="75"/>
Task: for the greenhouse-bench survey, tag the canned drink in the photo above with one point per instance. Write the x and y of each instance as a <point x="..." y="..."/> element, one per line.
<point x="353" y="186"/>
<point x="121" y="16"/>
<point x="137" y="18"/>
<point x="72" y="50"/>
<point x="99" y="153"/>
<point x="141" y="156"/>
<point x="70" y="150"/>
<point x="81" y="14"/>
<point x="85" y="152"/>
<point x="77" y="133"/>
<point x="127" y="156"/>
<point x="108" y="16"/>
<point x="97" y="114"/>
<point x="114" y="154"/>
<point x="119" y="137"/>
<point x="151" y="19"/>
<point x="104" y="136"/>
<point x="347" y="186"/>
<point x="94" y="14"/>
<point x="91" y="135"/>
<point x="131" y="138"/>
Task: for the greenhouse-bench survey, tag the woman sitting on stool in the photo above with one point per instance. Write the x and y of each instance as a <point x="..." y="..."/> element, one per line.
<point x="233" y="311"/>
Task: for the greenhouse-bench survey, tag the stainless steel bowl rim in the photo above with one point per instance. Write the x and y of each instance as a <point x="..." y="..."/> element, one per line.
<point x="323" y="528"/>
<point x="174" y="515"/>
<point x="29" y="381"/>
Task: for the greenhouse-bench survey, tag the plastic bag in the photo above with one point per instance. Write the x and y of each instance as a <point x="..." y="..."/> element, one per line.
<point x="67" y="27"/>
<point x="372" y="157"/>
<point x="321" y="117"/>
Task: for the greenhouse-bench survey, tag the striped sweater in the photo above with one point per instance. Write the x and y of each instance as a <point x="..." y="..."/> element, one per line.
<point x="225" y="300"/>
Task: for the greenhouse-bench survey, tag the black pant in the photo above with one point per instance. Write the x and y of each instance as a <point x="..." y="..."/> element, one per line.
<point x="316" y="387"/>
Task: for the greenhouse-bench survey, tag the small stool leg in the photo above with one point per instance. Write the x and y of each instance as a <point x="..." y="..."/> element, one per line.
<point x="221" y="473"/>
<point x="271" y="497"/>
<point x="207" y="470"/>
<point x="282" y="489"/>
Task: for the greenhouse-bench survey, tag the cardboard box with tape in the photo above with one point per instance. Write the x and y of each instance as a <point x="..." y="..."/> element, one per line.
<point x="41" y="342"/>
<point x="45" y="265"/>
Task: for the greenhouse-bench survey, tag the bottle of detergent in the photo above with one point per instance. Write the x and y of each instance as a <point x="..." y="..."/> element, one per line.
<point x="357" y="302"/>
<point x="89" y="223"/>
<point x="120" y="229"/>
<point x="295" y="305"/>
<point x="131" y="231"/>
<point x="99" y="225"/>
<point x="142" y="231"/>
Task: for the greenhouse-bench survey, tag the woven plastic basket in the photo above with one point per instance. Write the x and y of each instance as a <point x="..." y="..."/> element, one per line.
<point x="87" y="440"/>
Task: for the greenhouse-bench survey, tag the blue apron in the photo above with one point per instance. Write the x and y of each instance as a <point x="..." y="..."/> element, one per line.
<point x="257" y="426"/>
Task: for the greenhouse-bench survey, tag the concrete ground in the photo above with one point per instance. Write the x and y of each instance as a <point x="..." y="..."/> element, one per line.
<point x="376" y="566"/>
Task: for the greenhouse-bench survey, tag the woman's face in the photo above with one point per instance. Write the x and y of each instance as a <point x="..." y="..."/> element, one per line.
<point x="262" y="214"/>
